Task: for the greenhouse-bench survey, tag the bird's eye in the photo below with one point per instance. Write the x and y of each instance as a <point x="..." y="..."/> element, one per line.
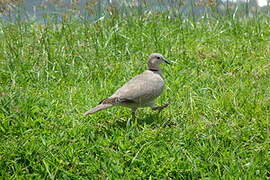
<point x="158" y="57"/>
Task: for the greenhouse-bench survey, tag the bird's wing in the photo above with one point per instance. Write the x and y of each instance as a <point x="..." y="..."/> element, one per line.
<point x="142" y="88"/>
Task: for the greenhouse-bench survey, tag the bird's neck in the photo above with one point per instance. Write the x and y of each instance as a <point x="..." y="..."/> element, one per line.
<point x="157" y="71"/>
<point x="154" y="70"/>
<point x="153" y="67"/>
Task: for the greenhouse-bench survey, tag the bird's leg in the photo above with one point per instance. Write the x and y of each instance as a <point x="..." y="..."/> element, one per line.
<point x="160" y="107"/>
<point x="133" y="117"/>
<point x="133" y="112"/>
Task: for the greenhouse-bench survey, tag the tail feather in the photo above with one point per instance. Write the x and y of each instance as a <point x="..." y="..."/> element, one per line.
<point x="109" y="102"/>
<point x="98" y="108"/>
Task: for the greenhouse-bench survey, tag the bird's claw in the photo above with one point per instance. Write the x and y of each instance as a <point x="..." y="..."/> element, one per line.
<point x="161" y="107"/>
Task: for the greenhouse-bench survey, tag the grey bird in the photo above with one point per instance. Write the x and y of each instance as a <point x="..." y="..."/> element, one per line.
<point x="140" y="91"/>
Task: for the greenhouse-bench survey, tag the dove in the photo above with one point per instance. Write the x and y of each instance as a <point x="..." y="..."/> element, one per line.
<point x="141" y="91"/>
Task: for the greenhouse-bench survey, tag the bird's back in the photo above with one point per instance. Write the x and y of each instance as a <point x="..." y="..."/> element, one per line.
<point x="143" y="88"/>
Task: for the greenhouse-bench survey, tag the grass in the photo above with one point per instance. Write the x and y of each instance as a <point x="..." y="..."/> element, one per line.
<point x="217" y="128"/>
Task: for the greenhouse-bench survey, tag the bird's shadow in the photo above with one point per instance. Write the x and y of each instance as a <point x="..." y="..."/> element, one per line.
<point x="150" y="119"/>
<point x="154" y="120"/>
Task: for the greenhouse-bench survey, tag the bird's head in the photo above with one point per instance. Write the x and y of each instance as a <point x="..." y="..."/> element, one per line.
<point x="155" y="59"/>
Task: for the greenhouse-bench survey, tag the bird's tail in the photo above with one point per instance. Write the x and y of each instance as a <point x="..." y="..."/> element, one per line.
<point x="98" y="108"/>
<point x="109" y="102"/>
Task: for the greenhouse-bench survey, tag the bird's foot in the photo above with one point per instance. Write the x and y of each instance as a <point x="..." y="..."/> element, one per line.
<point x="161" y="107"/>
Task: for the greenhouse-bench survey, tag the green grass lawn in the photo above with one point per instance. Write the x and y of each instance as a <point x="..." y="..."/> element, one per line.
<point x="216" y="128"/>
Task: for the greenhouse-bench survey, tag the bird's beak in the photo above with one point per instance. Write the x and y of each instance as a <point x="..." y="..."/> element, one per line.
<point x="166" y="61"/>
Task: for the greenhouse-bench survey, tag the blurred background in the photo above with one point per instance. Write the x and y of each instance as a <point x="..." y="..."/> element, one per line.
<point x="92" y="10"/>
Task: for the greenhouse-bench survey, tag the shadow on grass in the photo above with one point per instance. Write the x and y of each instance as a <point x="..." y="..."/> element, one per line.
<point x="150" y="119"/>
<point x="153" y="120"/>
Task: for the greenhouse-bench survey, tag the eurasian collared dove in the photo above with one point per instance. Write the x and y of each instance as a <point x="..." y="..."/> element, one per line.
<point x="140" y="91"/>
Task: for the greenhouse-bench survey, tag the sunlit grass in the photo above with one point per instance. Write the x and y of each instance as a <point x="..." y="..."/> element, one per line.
<point x="217" y="126"/>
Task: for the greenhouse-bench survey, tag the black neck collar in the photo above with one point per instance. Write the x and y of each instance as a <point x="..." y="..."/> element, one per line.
<point x="153" y="69"/>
